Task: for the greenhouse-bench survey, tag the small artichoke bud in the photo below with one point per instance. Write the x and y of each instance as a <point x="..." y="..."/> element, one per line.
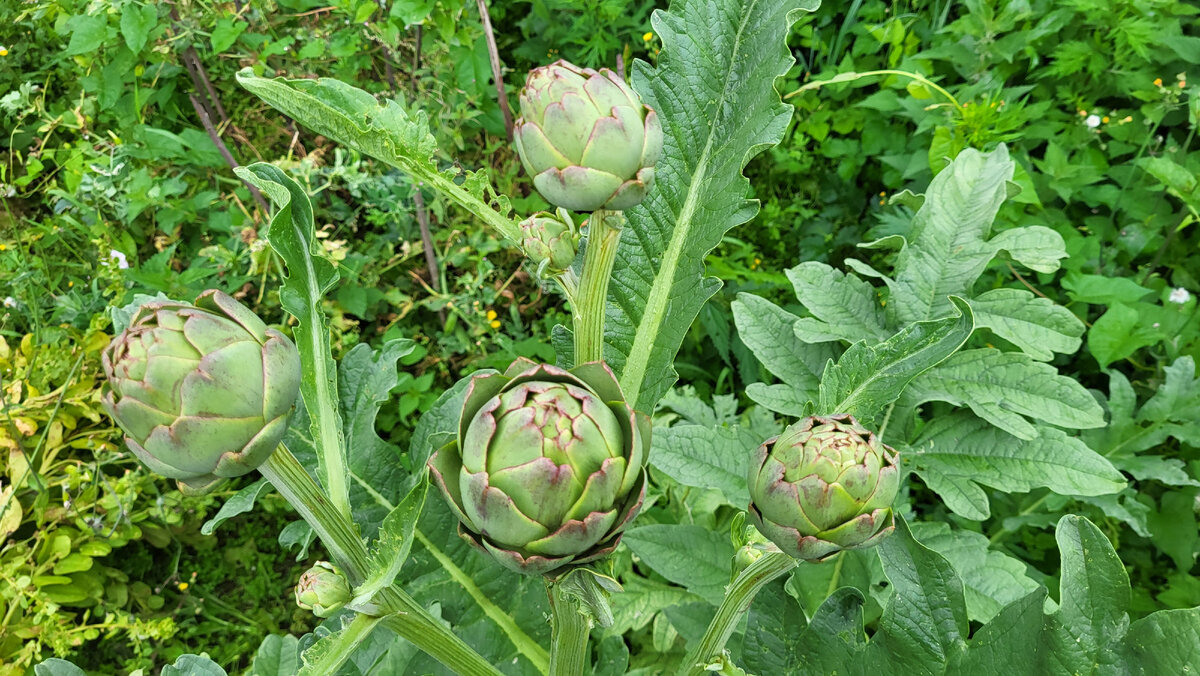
<point x="550" y="242"/>
<point x="322" y="589"/>
<point x="202" y="391"/>
<point x="824" y="485"/>
<point x="586" y="138"/>
<point x="548" y="468"/>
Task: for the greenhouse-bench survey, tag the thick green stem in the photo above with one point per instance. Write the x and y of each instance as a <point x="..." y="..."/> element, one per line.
<point x="410" y="619"/>
<point x="569" y="630"/>
<point x="598" y="261"/>
<point x="738" y="597"/>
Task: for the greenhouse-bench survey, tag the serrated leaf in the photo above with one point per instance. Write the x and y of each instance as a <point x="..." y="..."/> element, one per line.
<point x="1001" y="387"/>
<point x="767" y="330"/>
<point x="391" y="547"/>
<point x="388" y="132"/>
<point x="690" y="556"/>
<point x="955" y="454"/>
<point x="867" y="378"/>
<point x="292" y="235"/>
<point x="780" y="398"/>
<point x="706" y="457"/>
<point x="947" y="248"/>
<point x="1039" y="326"/>
<point x="713" y="91"/>
<point x="848" y="306"/>
<point x="238" y="503"/>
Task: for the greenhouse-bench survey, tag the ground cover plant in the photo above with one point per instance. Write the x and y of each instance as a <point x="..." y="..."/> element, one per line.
<point x="906" y="440"/>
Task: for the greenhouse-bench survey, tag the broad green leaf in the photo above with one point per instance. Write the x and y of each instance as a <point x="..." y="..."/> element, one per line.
<point x="1178" y="179"/>
<point x="88" y="33"/>
<point x="947" y="248"/>
<point x="238" y="503"/>
<point x="767" y="330"/>
<point x="1036" y="247"/>
<point x="331" y="651"/>
<point x="226" y="32"/>
<point x="925" y="621"/>
<point x="391" y="547"/>
<point x="193" y="665"/>
<point x="690" y="556"/>
<point x="1167" y="642"/>
<point x="774" y="632"/>
<point x="706" y="457"/>
<point x="991" y="579"/>
<point x="1118" y="333"/>
<point x="1012" y="642"/>
<point x="297" y="534"/>
<point x="439" y="424"/>
<point x="1039" y="326"/>
<point x="868" y="378"/>
<point x="780" y="398"/>
<point x="834" y="639"/>
<point x="137" y="22"/>
<point x="1178" y="398"/>
<point x="848" y="306"/>
<point x="713" y="90"/>
<point x="642" y="599"/>
<point x="310" y="275"/>
<point x="958" y="453"/>
<point x="1102" y="290"/>
<point x="57" y="667"/>
<point x="1093" y="595"/>
<point x="1001" y="387"/>
<point x="277" y="656"/>
<point x="388" y="132"/>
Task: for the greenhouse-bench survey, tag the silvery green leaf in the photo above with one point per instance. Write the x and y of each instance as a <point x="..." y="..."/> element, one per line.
<point x="1039" y="326"/>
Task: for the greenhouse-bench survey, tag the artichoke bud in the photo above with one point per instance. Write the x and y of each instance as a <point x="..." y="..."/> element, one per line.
<point x="548" y="467"/>
<point x="586" y="138"/>
<point x="550" y="242"/>
<point x="202" y="391"/>
<point x="824" y="485"/>
<point x="322" y="589"/>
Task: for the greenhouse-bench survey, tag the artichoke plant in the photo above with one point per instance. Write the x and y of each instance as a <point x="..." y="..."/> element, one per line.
<point x="548" y="466"/>
<point x="550" y="241"/>
<point x="824" y="485"/>
<point x="586" y="138"/>
<point x="322" y="589"/>
<point x="202" y="391"/>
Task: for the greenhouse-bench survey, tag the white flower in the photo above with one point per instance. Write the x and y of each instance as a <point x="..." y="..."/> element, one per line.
<point x="1179" y="295"/>
<point x="122" y="262"/>
<point x="1092" y="121"/>
<point x="10" y="302"/>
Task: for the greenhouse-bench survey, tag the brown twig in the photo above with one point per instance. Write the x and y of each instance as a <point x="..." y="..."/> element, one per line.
<point x="206" y="121"/>
<point x="416" y="58"/>
<point x="497" y="76"/>
<point x="427" y="240"/>
<point x="1022" y="280"/>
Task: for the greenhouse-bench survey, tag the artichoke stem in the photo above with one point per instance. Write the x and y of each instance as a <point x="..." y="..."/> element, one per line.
<point x="598" y="259"/>
<point x="405" y="615"/>
<point x="738" y="597"/>
<point x="570" y="627"/>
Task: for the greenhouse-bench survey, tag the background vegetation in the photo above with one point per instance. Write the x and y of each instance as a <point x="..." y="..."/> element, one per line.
<point x="120" y="120"/>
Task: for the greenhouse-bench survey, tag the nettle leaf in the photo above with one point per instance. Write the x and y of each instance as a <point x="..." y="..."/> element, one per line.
<point x="1001" y="387"/>
<point x="365" y="380"/>
<point x="706" y="457"/>
<point x="947" y="248"/>
<point x="845" y="307"/>
<point x="958" y="453"/>
<point x="691" y="556"/>
<point x="310" y="275"/>
<point x="867" y="378"/>
<point x="1038" y="326"/>
<point x="991" y="579"/>
<point x="386" y="131"/>
<point x="714" y="93"/>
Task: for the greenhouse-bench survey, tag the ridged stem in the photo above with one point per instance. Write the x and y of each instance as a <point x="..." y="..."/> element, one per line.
<point x="407" y="617"/>
<point x="569" y="631"/>
<point x="598" y="262"/>
<point x="738" y="597"/>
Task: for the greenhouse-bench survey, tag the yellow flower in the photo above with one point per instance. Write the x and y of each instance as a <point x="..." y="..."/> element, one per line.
<point x="1104" y="119"/>
<point x="3" y="248"/>
<point x="3" y="51"/>
<point x="183" y="586"/>
<point x="883" y="193"/>
<point x="491" y="314"/>
<point x="70" y="284"/>
<point x="1158" y="82"/>
<point x="648" y="37"/>
<point x="1083" y="113"/>
<point x="495" y="323"/>
<point x="1182" y="84"/>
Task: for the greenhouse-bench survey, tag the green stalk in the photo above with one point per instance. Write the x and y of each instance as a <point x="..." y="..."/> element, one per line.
<point x="569" y="631"/>
<point x="410" y="619"/>
<point x="738" y="597"/>
<point x="598" y="261"/>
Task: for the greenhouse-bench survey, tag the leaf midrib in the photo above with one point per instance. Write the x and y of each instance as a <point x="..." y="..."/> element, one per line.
<point x="633" y="375"/>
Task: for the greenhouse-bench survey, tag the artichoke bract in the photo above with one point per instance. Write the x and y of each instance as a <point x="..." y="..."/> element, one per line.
<point x="824" y="485"/>
<point x="202" y="391"/>
<point x="548" y="467"/>
<point x="323" y="589"/>
<point x="550" y="241"/>
<point x="586" y="138"/>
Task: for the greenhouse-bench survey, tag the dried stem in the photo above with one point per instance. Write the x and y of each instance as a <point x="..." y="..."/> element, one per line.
<point x="497" y="76"/>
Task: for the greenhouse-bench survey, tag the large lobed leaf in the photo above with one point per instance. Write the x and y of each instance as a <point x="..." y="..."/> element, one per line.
<point x="713" y="91"/>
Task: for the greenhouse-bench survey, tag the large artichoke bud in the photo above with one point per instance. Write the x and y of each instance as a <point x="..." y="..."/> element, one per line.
<point x="586" y="138"/>
<point x="550" y="241"/>
<point x="824" y="485"/>
<point x="548" y="467"/>
<point x="322" y="589"/>
<point x="202" y="391"/>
